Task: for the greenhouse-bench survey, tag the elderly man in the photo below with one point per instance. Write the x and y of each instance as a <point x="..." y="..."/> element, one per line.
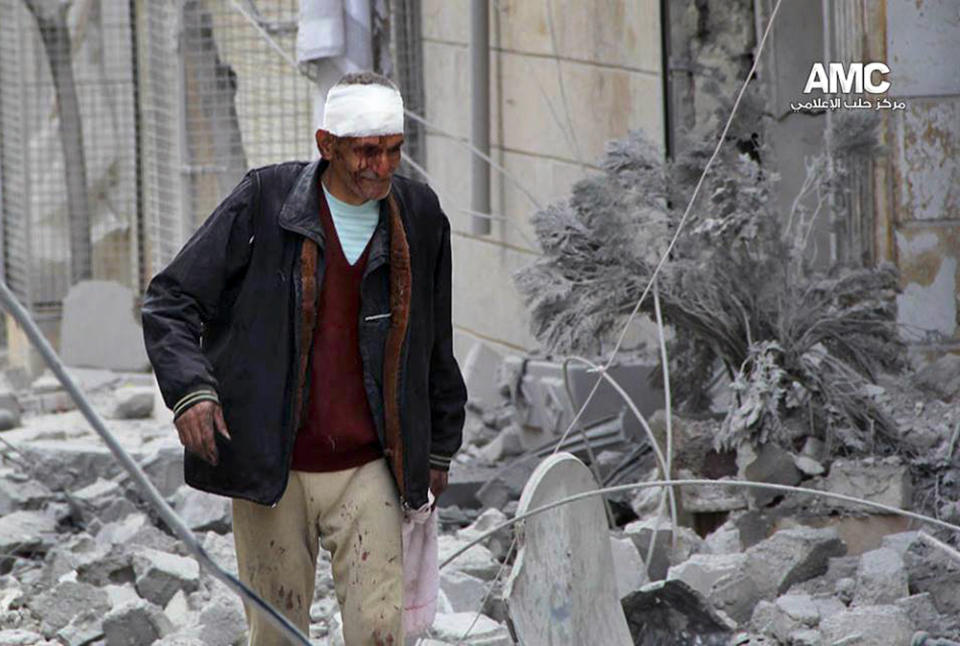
<point x="303" y="339"/>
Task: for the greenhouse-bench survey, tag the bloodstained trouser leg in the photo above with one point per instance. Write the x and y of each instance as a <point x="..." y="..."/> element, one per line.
<point x="356" y="511"/>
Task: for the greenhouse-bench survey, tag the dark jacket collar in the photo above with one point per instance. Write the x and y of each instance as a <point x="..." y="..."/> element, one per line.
<point x="301" y="213"/>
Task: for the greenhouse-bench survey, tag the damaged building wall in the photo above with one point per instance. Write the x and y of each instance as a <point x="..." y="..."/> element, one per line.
<point x="545" y="134"/>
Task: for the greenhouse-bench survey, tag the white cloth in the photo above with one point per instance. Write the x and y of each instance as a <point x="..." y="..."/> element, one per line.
<point x="421" y="571"/>
<point x="320" y="33"/>
<point x="363" y="110"/>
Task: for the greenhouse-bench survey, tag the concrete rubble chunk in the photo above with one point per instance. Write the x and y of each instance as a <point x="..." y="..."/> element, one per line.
<point x="627" y="565"/>
<point x="23" y="532"/>
<point x="133" y="402"/>
<point x="881" y="578"/>
<point x="59" y="605"/>
<point x="703" y="572"/>
<point x="875" y="625"/>
<point x="900" y="542"/>
<point x="480" y="370"/>
<point x="942" y="377"/>
<point x="499" y="542"/>
<point x="712" y="499"/>
<point x="19" y="494"/>
<point x="885" y="481"/>
<point x="671" y="612"/>
<point x="923" y="611"/>
<point x="134" y="623"/>
<point x="477" y="561"/>
<point x="665" y="554"/>
<point x="164" y="467"/>
<point x="771" y="464"/>
<point x="20" y="637"/>
<point x="564" y="549"/>
<point x="102" y="499"/>
<point x="464" y="592"/>
<point x="791" y="556"/>
<point x="99" y="328"/>
<point x="222" y="621"/>
<point x="929" y="571"/>
<point x="724" y="540"/>
<point x="485" y="632"/>
<point x="161" y="575"/>
<point x="112" y="565"/>
<point x="202" y="511"/>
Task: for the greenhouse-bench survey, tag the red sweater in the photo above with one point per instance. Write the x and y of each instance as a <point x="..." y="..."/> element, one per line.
<point x="337" y="430"/>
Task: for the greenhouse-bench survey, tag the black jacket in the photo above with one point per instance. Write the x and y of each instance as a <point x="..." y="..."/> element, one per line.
<point x="231" y="318"/>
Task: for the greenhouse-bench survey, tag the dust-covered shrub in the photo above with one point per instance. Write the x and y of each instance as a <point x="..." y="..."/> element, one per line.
<point x="740" y="286"/>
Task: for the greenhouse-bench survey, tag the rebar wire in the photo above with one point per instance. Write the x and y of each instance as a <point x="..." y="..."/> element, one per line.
<point x="153" y="497"/>
<point x="938" y="543"/>
<point x="703" y="483"/>
<point x="413" y="115"/>
<point x="668" y="426"/>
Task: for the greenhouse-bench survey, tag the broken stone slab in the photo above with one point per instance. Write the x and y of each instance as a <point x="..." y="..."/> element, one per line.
<point x="485" y="632"/>
<point x="930" y="570"/>
<point x="464" y="593"/>
<point x="120" y="594"/>
<point x="900" y="542"/>
<point x="710" y="499"/>
<point x="506" y="444"/>
<point x="21" y="637"/>
<point x="874" y="625"/>
<point x="160" y="575"/>
<point x="791" y="556"/>
<point x="85" y="628"/>
<point x="885" y="481"/>
<point x="941" y="378"/>
<point x="480" y="370"/>
<point x="135" y="622"/>
<point x="99" y="328"/>
<point x="26" y="532"/>
<point x="564" y="566"/>
<point x="921" y="609"/>
<point x="702" y="572"/>
<point x="202" y="511"/>
<point x="723" y="540"/>
<point x="21" y="492"/>
<point x="477" y="561"/>
<point x="133" y="402"/>
<point x="628" y="566"/>
<point x="58" y="606"/>
<point x="110" y="564"/>
<point x="164" y="467"/>
<point x="881" y="578"/>
<point x="222" y="621"/>
<point x="671" y="612"/>
<point x="770" y="464"/>
<point x="665" y="553"/>
<point x="102" y="499"/>
<point x="68" y="465"/>
<point x="499" y="542"/>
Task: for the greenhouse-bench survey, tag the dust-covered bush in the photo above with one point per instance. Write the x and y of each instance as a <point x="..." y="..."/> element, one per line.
<point x="740" y="286"/>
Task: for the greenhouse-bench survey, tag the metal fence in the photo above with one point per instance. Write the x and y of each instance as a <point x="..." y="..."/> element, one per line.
<point x="123" y="123"/>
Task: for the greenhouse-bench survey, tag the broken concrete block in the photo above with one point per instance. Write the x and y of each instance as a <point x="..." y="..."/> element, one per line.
<point x="120" y="594"/>
<point x="881" y="578"/>
<point x="20" y="637"/>
<point x="499" y="542"/>
<point x="921" y="609"/>
<point x="791" y="556"/>
<point x="665" y="553"/>
<point x="109" y="564"/>
<point x="485" y="632"/>
<point x="670" y="612"/>
<point x="202" y="511"/>
<point x="477" y="561"/>
<point x="464" y="592"/>
<point x="702" y="572"/>
<point x="875" y="625"/>
<point x="134" y="623"/>
<point x="480" y="370"/>
<point x="123" y="530"/>
<point x="222" y="621"/>
<point x="164" y="467"/>
<point x="772" y="464"/>
<point x="566" y="548"/>
<point x="133" y="402"/>
<point x="59" y="605"/>
<point x="160" y="575"/>
<point x="941" y="378"/>
<point x="885" y="481"/>
<point x="628" y="566"/>
<point x="85" y="628"/>
<point x="900" y="542"/>
<point x="47" y="382"/>
<point x="21" y="494"/>
<point x="710" y="499"/>
<point x="723" y="540"/>
<point x="102" y="499"/>
<point x="506" y="444"/>
<point x="99" y="328"/>
<point x="25" y="532"/>
<point x="930" y="572"/>
<point x="808" y="466"/>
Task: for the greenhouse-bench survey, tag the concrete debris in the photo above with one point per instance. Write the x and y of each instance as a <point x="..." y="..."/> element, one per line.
<point x="941" y="378"/>
<point x="464" y="593"/>
<point x="99" y="329"/>
<point x="477" y="561"/>
<point x="161" y="575"/>
<point x="485" y="632"/>
<point x="874" y="625"/>
<point x="885" y="481"/>
<point x="136" y="622"/>
<point x="480" y="370"/>
<point x="770" y="464"/>
<point x="666" y="551"/>
<point x="60" y="605"/>
<point x="133" y="402"/>
<point x="881" y="578"/>
<point x="628" y="566"/>
<point x="671" y="612"/>
<point x="791" y="556"/>
<point x="202" y="511"/>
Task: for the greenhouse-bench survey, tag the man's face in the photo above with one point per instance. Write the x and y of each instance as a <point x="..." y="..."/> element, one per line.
<point x="362" y="167"/>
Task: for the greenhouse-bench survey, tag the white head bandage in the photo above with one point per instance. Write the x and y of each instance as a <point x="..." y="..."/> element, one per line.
<point x="363" y="110"/>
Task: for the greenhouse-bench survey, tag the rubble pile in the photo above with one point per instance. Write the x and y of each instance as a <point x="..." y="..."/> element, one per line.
<point x="84" y="561"/>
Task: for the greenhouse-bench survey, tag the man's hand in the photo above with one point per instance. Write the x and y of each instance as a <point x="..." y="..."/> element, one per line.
<point x="438" y="481"/>
<point x="196" y="427"/>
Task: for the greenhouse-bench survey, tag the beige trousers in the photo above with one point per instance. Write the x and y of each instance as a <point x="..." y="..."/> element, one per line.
<point x="355" y="515"/>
